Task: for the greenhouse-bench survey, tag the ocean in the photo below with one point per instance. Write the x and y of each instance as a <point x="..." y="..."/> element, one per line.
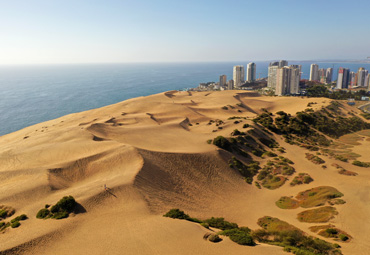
<point x="33" y="94"/>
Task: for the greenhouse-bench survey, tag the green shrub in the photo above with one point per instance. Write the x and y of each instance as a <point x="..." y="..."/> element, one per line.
<point x="214" y="238"/>
<point x="222" y="143"/>
<point x="343" y="237"/>
<point x="3" y="214"/>
<point x="43" y="213"/>
<point x="15" y="224"/>
<point x="205" y="225"/>
<point x="60" y="215"/>
<point x="361" y="164"/>
<point x="19" y="218"/>
<point x="209" y="141"/>
<point x="220" y="223"/>
<point x="240" y="236"/>
<point x="331" y="231"/>
<point x="246" y="125"/>
<point x="178" y="214"/>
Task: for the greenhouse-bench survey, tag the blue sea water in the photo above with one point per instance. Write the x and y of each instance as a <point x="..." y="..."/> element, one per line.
<point x="33" y="94"/>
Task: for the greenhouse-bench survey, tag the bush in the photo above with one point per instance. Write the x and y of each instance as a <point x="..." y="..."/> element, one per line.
<point x="343" y="237"/>
<point x="60" y="210"/>
<point x="178" y="214"/>
<point x="222" y="143"/>
<point x="331" y="231"/>
<point x="19" y="218"/>
<point x="15" y="224"/>
<point x="240" y="236"/>
<point x="246" y="125"/>
<point x="60" y="215"/>
<point x="220" y="223"/>
<point x="43" y="213"/>
<point x="361" y="164"/>
<point x="214" y="238"/>
<point x="205" y="225"/>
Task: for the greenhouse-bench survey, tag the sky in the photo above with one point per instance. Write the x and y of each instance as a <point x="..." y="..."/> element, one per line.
<point x="118" y="31"/>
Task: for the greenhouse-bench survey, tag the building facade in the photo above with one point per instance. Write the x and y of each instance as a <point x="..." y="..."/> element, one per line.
<point x="314" y="72"/>
<point x="223" y="80"/>
<point x="238" y="76"/>
<point x="329" y="75"/>
<point x="230" y="85"/>
<point x="272" y="70"/>
<point x="361" y="76"/>
<point x="251" y="72"/>
<point x="343" y="78"/>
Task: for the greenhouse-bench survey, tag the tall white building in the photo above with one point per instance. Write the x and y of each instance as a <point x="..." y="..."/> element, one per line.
<point x="223" y="80"/>
<point x="238" y="76"/>
<point x="283" y="76"/>
<point x="272" y="70"/>
<point x="314" y="73"/>
<point x="251" y="72"/>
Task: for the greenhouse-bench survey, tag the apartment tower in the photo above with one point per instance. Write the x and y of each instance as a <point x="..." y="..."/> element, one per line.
<point x="251" y="72"/>
<point x="238" y="76"/>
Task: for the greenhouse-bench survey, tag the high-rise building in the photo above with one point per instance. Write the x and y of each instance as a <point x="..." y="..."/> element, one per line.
<point x="352" y="79"/>
<point x="322" y="75"/>
<point x="329" y="75"/>
<point x="295" y="77"/>
<point x="361" y="75"/>
<point x="368" y="82"/>
<point x="238" y="76"/>
<point x="223" y="80"/>
<point x="343" y="78"/>
<point x="314" y="72"/>
<point x="283" y="63"/>
<point x="230" y="85"/>
<point x="251" y="72"/>
<point x="271" y="81"/>
<point x="283" y="76"/>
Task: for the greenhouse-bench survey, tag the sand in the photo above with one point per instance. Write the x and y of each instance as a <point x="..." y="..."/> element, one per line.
<point x="152" y="154"/>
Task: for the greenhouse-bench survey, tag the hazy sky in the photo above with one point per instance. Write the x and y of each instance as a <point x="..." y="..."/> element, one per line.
<point x="96" y="31"/>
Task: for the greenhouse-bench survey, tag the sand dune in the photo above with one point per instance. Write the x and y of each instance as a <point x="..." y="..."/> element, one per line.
<point x="152" y="154"/>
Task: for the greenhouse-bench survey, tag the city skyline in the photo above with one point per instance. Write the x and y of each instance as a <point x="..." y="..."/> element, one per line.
<point x="55" y="32"/>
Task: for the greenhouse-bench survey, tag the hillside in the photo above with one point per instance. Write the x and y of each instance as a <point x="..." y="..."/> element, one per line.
<point x="159" y="152"/>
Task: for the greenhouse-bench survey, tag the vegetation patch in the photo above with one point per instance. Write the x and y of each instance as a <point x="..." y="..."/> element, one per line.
<point x="319" y="215"/>
<point x="273" y="181"/>
<point x="248" y="171"/>
<point x="314" y="159"/>
<point x="60" y="210"/>
<point x="317" y="196"/>
<point x="301" y="178"/>
<point x="240" y="235"/>
<point x="6" y="211"/>
<point x="361" y="164"/>
<point x="287" y="203"/>
<point x="347" y="172"/>
<point x="281" y="233"/>
<point x="330" y="231"/>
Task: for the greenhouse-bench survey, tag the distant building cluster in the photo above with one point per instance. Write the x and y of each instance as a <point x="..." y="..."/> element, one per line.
<point x="239" y="79"/>
<point x="346" y="79"/>
<point x="284" y="79"/>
